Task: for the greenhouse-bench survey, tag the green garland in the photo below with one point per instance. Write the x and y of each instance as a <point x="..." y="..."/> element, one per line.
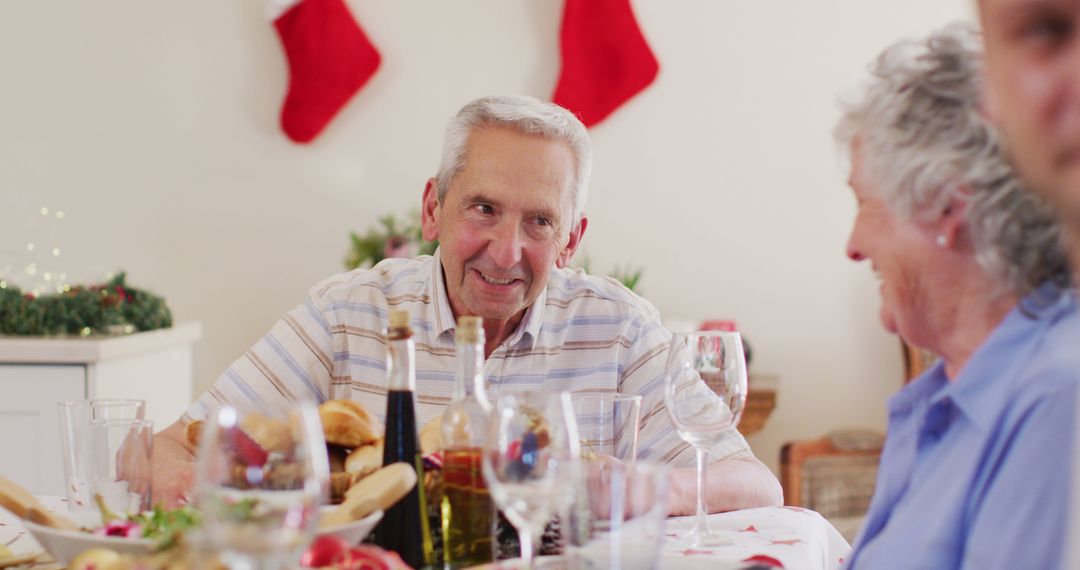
<point x="108" y="308"/>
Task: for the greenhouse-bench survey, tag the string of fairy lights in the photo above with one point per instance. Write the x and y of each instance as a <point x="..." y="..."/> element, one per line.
<point x="38" y="268"/>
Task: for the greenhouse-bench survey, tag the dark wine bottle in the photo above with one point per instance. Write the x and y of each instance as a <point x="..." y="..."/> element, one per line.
<point x="404" y="527"/>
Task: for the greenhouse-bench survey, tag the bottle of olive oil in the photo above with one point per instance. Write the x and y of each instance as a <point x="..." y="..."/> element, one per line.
<point x="467" y="509"/>
<point x="404" y="527"/>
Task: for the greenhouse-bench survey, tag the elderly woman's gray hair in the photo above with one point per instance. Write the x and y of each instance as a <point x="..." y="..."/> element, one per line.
<point x="526" y="115"/>
<point x="925" y="139"/>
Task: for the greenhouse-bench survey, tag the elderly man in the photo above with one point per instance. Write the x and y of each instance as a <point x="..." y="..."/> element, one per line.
<point x="1033" y="68"/>
<point x="506" y="207"/>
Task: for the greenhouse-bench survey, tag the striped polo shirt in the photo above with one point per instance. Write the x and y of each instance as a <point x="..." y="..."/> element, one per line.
<point x="582" y="334"/>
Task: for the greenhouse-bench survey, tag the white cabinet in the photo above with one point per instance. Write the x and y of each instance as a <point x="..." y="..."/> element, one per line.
<point x="36" y="373"/>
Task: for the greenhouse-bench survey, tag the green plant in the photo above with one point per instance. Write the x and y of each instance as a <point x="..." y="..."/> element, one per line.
<point x="390" y="238"/>
<point x="629" y="277"/>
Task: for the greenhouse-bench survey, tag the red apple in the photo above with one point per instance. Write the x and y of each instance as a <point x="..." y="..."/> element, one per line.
<point x="326" y="550"/>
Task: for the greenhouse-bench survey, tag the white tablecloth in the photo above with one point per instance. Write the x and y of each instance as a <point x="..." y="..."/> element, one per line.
<point x="796" y="538"/>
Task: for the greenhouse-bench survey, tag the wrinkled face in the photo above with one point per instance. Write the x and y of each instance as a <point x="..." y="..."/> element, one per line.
<point x="1033" y="71"/>
<point x="504" y="223"/>
<point x="900" y="253"/>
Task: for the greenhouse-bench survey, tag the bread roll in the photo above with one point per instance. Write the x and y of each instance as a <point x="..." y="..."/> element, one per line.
<point x="346" y="423"/>
<point x="193" y="432"/>
<point x="340" y="482"/>
<point x="431" y="436"/>
<point x="336" y="456"/>
<point x="365" y="460"/>
<point x="272" y="435"/>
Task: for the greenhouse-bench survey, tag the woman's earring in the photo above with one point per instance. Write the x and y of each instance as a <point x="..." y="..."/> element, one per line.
<point x="942" y="241"/>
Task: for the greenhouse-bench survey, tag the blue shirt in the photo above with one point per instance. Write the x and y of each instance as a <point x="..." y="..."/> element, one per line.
<point x="975" y="473"/>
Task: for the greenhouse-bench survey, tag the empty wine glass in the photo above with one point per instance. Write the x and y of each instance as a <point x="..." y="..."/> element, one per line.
<point x="261" y="477"/>
<point x="705" y="392"/>
<point x="531" y="449"/>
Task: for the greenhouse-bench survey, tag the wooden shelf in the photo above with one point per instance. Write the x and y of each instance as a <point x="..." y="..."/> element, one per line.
<point x="760" y="403"/>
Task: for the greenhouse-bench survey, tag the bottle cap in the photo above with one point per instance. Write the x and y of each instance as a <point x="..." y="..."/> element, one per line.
<point x="399" y="318"/>
<point x="469" y="329"/>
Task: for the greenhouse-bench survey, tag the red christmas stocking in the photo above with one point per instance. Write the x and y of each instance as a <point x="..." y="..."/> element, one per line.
<point x="606" y="60"/>
<point x="330" y="58"/>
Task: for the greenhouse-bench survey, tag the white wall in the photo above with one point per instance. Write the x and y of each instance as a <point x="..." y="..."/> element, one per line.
<point x="154" y="126"/>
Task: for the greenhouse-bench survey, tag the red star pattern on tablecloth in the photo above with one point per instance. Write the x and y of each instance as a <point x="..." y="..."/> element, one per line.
<point x="766" y="560"/>
<point x="750" y="528"/>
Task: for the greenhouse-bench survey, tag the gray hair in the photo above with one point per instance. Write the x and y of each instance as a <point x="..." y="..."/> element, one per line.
<point x="925" y="140"/>
<point x="526" y="115"/>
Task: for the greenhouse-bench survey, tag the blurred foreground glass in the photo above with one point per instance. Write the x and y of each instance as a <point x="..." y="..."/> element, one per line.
<point x="260" y="479"/>
<point x="121" y="469"/>
<point x="529" y="460"/>
<point x="704" y="392"/>
<point x="618" y="521"/>
<point x="607" y="424"/>
<point x="78" y="451"/>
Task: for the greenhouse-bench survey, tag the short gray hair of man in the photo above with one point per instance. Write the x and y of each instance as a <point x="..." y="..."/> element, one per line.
<point x="526" y="115"/>
<point x="925" y="139"/>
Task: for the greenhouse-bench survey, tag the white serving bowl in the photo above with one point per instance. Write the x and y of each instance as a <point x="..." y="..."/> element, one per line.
<point x="355" y="531"/>
<point x="64" y="545"/>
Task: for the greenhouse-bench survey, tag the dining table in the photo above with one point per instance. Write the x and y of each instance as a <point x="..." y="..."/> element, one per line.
<point x="770" y="537"/>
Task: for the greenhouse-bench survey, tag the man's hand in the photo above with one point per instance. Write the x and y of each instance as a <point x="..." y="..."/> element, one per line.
<point x="731" y="484"/>
<point x="173" y="467"/>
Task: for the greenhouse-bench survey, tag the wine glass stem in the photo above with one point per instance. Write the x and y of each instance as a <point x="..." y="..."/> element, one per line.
<point x="525" y="540"/>
<point x="701" y="525"/>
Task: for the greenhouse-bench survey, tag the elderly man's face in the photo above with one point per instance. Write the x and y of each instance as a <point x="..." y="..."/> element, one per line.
<point x="504" y="223"/>
<point x="1033" y="68"/>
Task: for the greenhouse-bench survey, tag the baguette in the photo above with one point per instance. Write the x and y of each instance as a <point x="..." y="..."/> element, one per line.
<point x="378" y="491"/>
<point x="24" y="505"/>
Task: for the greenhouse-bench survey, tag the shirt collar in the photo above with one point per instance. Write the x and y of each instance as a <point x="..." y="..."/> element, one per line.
<point x="528" y="330"/>
<point x="984" y="386"/>
<point x="921" y="389"/>
<point x="440" y="302"/>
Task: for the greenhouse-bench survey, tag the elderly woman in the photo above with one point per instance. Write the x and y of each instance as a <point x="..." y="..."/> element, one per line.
<point x="976" y="464"/>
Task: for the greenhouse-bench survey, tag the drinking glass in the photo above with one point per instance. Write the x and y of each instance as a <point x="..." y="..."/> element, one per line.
<point x="79" y="453"/>
<point x="260" y="478"/>
<point x="619" y="520"/>
<point x="607" y="423"/>
<point x="531" y="452"/>
<point x="121" y="469"/>
<point x="704" y="392"/>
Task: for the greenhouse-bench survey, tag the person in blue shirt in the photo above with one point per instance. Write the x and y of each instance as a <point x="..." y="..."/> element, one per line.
<point x="976" y="468"/>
